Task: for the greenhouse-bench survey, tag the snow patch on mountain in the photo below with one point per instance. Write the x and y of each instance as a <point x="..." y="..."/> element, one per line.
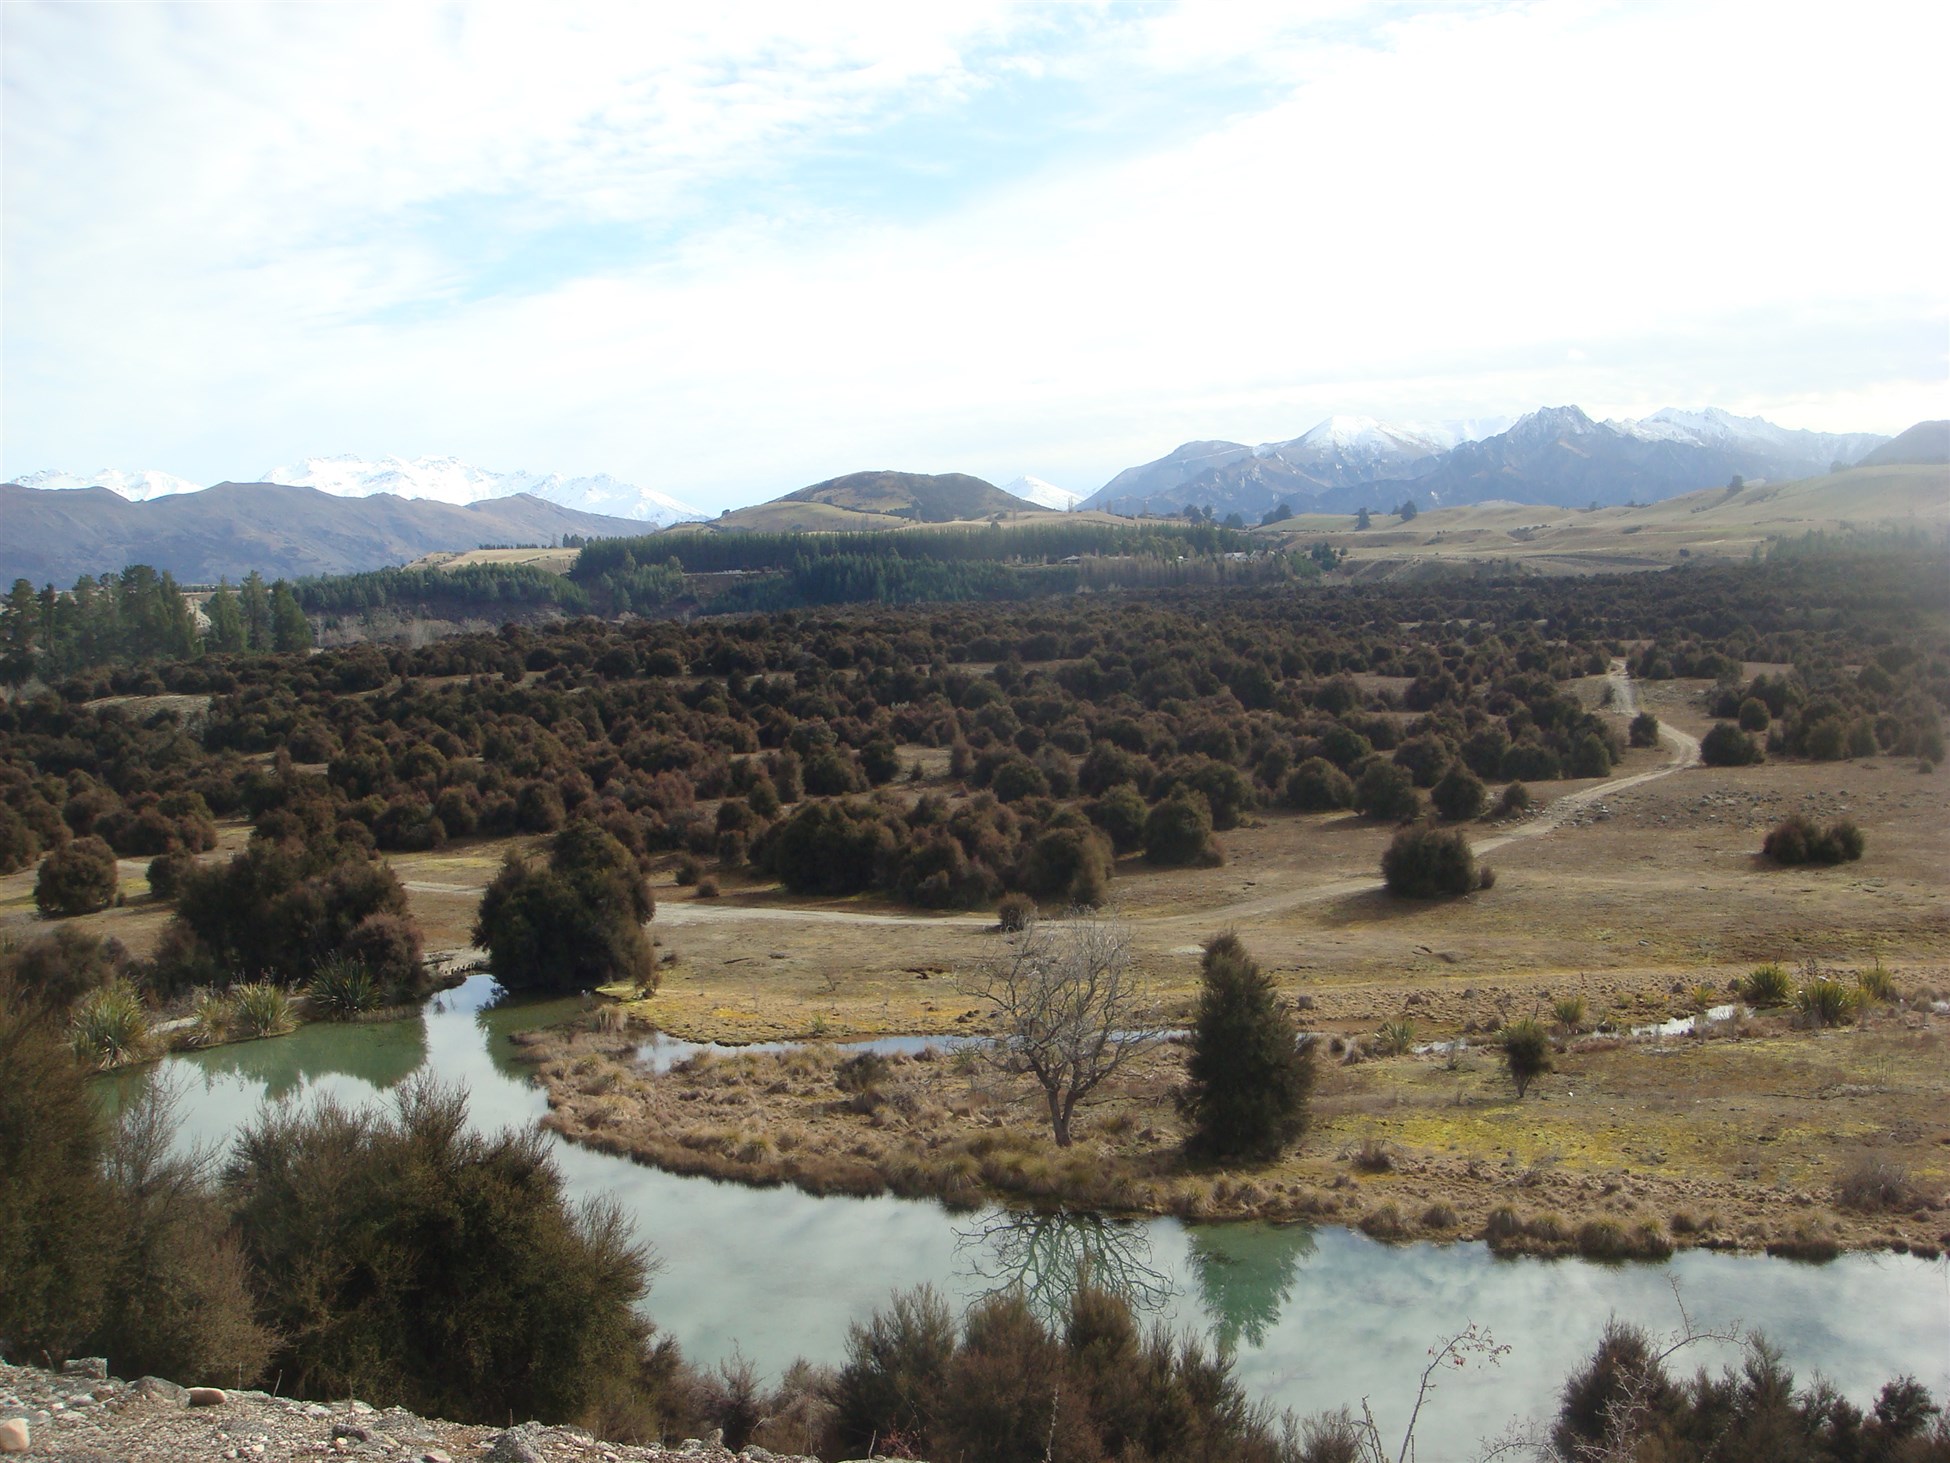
<point x="449" y="480"/>
<point x="1355" y="438"/>
<point x="1716" y="428"/>
<point x="1042" y="494"/>
<point x="137" y="487"/>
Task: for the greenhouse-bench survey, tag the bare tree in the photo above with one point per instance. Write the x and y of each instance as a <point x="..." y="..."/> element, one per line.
<point x="1069" y="1006"/>
<point x="1046" y="1258"/>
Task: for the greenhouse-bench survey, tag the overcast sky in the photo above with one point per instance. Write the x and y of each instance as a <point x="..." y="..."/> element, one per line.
<point x="728" y="255"/>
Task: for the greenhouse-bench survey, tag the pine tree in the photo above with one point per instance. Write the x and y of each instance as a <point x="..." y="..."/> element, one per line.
<point x="290" y="630"/>
<point x="226" y="621"/>
<point x="1249" y="1076"/>
<point x="256" y="606"/>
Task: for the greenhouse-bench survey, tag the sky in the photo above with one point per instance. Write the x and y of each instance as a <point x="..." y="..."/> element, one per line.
<point x="725" y="255"/>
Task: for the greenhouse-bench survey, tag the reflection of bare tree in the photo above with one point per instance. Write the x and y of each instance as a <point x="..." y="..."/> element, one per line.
<point x="1045" y="1257"/>
<point x="1246" y="1274"/>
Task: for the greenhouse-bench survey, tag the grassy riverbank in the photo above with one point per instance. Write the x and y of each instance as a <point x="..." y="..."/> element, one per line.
<point x="1760" y="1135"/>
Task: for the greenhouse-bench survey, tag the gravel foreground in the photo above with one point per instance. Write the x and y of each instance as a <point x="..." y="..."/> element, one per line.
<point x="82" y="1414"/>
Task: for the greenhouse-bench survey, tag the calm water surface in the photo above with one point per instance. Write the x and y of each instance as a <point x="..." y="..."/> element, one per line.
<point x="1317" y="1317"/>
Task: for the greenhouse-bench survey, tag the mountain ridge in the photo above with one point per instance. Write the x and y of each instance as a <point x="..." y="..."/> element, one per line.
<point x="279" y="529"/>
<point x="1554" y="456"/>
<point x="446" y="480"/>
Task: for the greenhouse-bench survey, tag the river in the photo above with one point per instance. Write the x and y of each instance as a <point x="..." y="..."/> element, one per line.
<point x="1317" y="1316"/>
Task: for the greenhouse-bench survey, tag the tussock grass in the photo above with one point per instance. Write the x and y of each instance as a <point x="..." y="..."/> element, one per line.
<point x="260" y="1008"/>
<point x="1395" y="1038"/>
<point x="1766" y="986"/>
<point x="1876" y="984"/>
<point x="341" y="989"/>
<point x="1871" y="1184"/>
<point x="210" y="1019"/>
<point x="110" y="1027"/>
<point x="1825" y="1001"/>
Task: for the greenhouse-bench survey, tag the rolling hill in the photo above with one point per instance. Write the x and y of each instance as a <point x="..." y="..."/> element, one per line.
<point x="1924" y="442"/>
<point x="57" y="535"/>
<point x="1717" y="523"/>
<point x="879" y="499"/>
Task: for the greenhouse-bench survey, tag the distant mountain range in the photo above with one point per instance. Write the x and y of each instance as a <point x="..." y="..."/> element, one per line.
<point x="282" y="531"/>
<point x="431" y="479"/>
<point x="1557" y="456"/>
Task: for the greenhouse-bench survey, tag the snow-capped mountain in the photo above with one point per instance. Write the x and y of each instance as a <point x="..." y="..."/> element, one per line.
<point x="1042" y="494"/>
<point x="1358" y="437"/>
<point x="1555" y="455"/>
<point x="1341" y="452"/>
<point x="1345" y="450"/>
<point x="137" y="487"/>
<point x="449" y="480"/>
<point x="1721" y="429"/>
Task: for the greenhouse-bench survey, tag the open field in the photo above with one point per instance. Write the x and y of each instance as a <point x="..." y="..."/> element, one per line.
<point x="1717" y="523"/>
<point x="556" y="561"/>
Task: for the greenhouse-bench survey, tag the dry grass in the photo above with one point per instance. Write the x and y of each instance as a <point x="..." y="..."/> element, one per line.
<point x="1620" y="1135"/>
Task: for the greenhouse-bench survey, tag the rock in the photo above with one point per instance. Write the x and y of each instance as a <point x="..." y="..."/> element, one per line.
<point x="160" y="1390"/>
<point x="516" y="1445"/>
<point x="95" y="1368"/>
<point x="14" y="1436"/>
<point x="436" y="1455"/>
<point x="208" y="1397"/>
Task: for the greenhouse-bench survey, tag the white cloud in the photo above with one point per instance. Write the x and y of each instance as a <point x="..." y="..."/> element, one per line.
<point x="220" y="254"/>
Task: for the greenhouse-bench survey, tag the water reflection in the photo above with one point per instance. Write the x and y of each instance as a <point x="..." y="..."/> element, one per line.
<point x="1045" y="1257"/>
<point x="385" y="1055"/>
<point x="1245" y="1275"/>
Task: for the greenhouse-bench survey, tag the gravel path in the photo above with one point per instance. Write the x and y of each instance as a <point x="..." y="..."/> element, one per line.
<point x="84" y="1415"/>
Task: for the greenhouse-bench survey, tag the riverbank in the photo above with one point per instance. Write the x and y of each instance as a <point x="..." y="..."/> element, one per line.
<point x="83" y="1413"/>
<point x="1753" y="1136"/>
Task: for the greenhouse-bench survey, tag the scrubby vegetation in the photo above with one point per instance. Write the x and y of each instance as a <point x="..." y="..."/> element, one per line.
<point x="1798" y="839"/>
<point x="1526" y="1049"/>
<point x="402" y="1256"/>
<point x="1625" y="1403"/>
<point x="1005" y="1387"/>
<point x="571" y="925"/>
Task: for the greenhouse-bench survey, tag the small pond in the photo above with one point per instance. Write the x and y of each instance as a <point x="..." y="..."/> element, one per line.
<point x="1317" y="1317"/>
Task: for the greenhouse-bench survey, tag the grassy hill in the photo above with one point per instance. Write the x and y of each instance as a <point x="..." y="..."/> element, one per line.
<point x="882" y="499"/>
<point x="1721" y="523"/>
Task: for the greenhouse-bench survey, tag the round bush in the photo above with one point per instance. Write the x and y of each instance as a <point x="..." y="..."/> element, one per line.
<point x="1425" y="863"/>
<point x="1120" y="812"/>
<point x="1386" y="791"/>
<point x="1728" y="746"/>
<point x="167" y="872"/>
<point x="1459" y="795"/>
<point x="78" y="879"/>
<point x="1179" y="831"/>
<point x="1317" y="786"/>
